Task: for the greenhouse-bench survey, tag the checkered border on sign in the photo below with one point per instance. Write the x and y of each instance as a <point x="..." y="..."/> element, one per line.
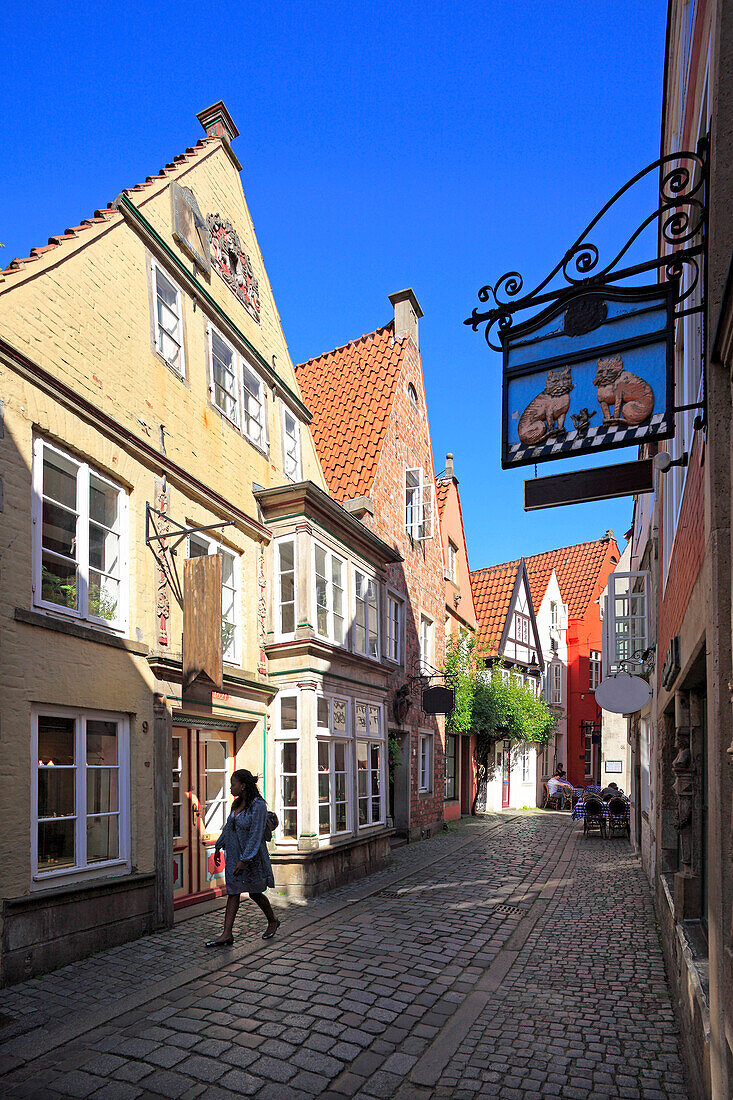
<point x="591" y="440"/>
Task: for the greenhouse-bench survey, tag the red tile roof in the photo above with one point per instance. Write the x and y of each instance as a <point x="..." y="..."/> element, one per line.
<point x="109" y="212"/>
<point x="577" y="569"/>
<point x="492" y="593"/>
<point x="350" y="391"/>
<point x="441" y="494"/>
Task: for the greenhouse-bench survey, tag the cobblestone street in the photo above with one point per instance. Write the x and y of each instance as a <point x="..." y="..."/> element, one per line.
<point x="507" y="957"/>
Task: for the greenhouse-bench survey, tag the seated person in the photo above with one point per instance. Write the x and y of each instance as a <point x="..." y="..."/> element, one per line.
<point x="611" y="791"/>
<point x="557" y="784"/>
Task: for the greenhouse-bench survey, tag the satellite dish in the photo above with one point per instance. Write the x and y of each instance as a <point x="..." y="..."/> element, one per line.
<point x="622" y="693"/>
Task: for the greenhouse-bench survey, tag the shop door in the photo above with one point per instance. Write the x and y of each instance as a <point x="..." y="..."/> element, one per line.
<point x="505" y="767"/>
<point x="202" y="766"/>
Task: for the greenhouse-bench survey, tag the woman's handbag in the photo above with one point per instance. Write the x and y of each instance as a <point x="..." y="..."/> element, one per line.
<point x="271" y="823"/>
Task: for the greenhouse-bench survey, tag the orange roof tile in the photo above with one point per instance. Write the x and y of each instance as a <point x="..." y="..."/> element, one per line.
<point x="441" y="494"/>
<point x="492" y="593"/>
<point x="350" y="391"/>
<point x="109" y="212"/>
<point x="577" y="569"/>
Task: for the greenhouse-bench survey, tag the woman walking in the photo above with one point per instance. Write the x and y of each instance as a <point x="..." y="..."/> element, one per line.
<point x="247" y="866"/>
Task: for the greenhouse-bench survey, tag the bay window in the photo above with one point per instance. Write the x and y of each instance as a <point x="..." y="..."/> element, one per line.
<point x="366" y="618"/>
<point x="625" y="622"/>
<point x="369" y="764"/>
<point x="79" y="538"/>
<point x="329" y="592"/>
<point x="80" y="799"/>
<point x="285" y="585"/>
<point x="333" y="759"/>
<point x="200" y="545"/>
<point x="287" y="767"/>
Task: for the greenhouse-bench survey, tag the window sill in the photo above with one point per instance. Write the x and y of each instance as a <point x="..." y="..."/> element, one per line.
<point x="78" y="629"/>
<point x="79" y="876"/>
<point x="174" y="370"/>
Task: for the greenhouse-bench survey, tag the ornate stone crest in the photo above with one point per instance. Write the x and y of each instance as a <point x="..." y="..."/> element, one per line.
<point x="233" y="264"/>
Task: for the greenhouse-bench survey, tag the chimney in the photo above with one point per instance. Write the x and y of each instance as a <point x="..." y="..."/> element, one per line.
<point x="217" y="122"/>
<point x="407" y="313"/>
<point x="448" y="466"/>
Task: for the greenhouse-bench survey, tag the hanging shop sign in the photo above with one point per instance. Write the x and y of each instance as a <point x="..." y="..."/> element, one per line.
<point x="588" y="354"/>
<point x="438" y="700"/>
<point x="589" y="374"/>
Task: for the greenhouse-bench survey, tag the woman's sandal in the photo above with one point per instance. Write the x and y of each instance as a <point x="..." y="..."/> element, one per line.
<point x="269" y="934"/>
<point x="220" y="943"/>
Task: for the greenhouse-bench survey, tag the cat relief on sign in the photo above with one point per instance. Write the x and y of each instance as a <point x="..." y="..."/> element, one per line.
<point x="630" y="397"/>
<point x="545" y="414"/>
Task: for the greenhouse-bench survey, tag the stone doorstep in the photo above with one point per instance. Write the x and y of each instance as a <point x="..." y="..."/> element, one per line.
<point x="39" y="1042"/>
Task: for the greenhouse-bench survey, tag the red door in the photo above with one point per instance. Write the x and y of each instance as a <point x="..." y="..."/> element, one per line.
<point x="505" y="765"/>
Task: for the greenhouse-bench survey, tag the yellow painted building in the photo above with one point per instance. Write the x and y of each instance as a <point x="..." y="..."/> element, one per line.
<point x="142" y="365"/>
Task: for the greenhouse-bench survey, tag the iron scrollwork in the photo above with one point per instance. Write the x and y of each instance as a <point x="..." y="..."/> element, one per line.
<point x="681" y="213"/>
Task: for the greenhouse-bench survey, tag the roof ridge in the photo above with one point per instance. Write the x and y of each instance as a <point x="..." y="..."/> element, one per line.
<point x="348" y="344"/>
<point x="104" y="215"/>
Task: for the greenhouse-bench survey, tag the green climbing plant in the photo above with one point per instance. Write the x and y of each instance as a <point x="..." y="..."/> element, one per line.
<point x="489" y="705"/>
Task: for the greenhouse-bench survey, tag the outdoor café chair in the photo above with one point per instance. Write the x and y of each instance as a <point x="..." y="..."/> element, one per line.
<point x="551" y="801"/>
<point x="618" y="817"/>
<point x="594" y="817"/>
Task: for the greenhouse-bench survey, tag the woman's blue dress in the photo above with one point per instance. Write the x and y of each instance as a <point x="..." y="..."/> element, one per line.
<point x="242" y="840"/>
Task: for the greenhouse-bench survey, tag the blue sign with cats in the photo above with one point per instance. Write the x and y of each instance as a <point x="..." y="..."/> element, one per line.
<point x="592" y="372"/>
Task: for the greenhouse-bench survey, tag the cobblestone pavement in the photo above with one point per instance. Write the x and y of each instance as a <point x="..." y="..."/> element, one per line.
<point x="510" y="957"/>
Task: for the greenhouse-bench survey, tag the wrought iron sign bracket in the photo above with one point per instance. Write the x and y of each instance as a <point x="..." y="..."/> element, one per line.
<point x="681" y="213"/>
<point x="164" y="535"/>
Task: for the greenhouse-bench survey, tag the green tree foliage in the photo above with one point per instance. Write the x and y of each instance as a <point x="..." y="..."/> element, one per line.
<point x="491" y="706"/>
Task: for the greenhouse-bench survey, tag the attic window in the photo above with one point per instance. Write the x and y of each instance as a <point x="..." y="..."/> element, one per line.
<point x="412" y="394"/>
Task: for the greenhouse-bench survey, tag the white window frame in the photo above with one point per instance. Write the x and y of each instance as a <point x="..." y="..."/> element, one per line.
<point x="426" y="644"/>
<point x="394" y="627"/>
<point x="250" y="378"/>
<point x="595" y="667"/>
<point x="291" y="453"/>
<point x="235" y="417"/>
<point x="180" y="367"/>
<point x="373" y="738"/>
<point x="452" y="561"/>
<point x="279" y="632"/>
<point x="84" y="473"/>
<point x="555" y="683"/>
<point x="371" y="649"/>
<point x="113" y="867"/>
<point x="425" y="751"/>
<point x="521" y="628"/>
<point x="216" y="547"/>
<point x="554" y="615"/>
<point x="526" y="777"/>
<point x="419" y="504"/>
<point x="613" y="621"/>
<point x="289" y="737"/>
<point x="330" y="590"/>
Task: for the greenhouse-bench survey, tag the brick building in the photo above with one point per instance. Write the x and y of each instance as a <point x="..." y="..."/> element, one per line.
<point x="460" y="617"/>
<point x="371" y="431"/>
<point x="680" y="570"/>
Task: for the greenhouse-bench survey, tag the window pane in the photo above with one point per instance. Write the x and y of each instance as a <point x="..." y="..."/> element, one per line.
<point x="104" y="596"/>
<point x="339" y="756"/>
<point x="290" y="824"/>
<point x="103" y="501"/>
<point x="216" y="787"/>
<point x="376" y="809"/>
<point x="289" y="757"/>
<point x="59" y="479"/>
<point x="324" y="819"/>
<point x="363" y="811"/>
<point x="339" y="714"/>
<point x="361" y="723"/>
<point x="289" y="715"/>
<point x="101" y="742"/>
<point x="56" y="844"/>
<point x="290" y="790"/>
<point x="102" y="838"/>
<point x="323" y="719"/>
<point x="323" y="785"/>
<point x="323" y="756"/>
<point x="287" y="619"/>
<point x="197" y="548"/>
<point x="56" y="792"/>
<point x="216" y="755"/>
<point x="58" y="582"/>
<point x="287" y="556"/>
<point x="56" y="740"/>
<point x="341" y="817"/>
<point x="374" y="721"/>
<point x="59" y="529"/>
<point x="340" y="787"/>
<point x="102" y="796"/>
<point x="166" y="291"/>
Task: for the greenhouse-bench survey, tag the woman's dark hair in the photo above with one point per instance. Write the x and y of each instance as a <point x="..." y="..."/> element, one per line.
<point x="249" y="782"/>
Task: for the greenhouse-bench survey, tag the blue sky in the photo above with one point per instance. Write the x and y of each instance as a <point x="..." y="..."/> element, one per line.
<point x="432" y="145"/>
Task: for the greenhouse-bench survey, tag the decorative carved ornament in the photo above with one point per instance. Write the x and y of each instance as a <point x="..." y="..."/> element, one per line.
<point x="234" y="265"/>
<point x="261" y="610"/>
<point x="163" y="603"/>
